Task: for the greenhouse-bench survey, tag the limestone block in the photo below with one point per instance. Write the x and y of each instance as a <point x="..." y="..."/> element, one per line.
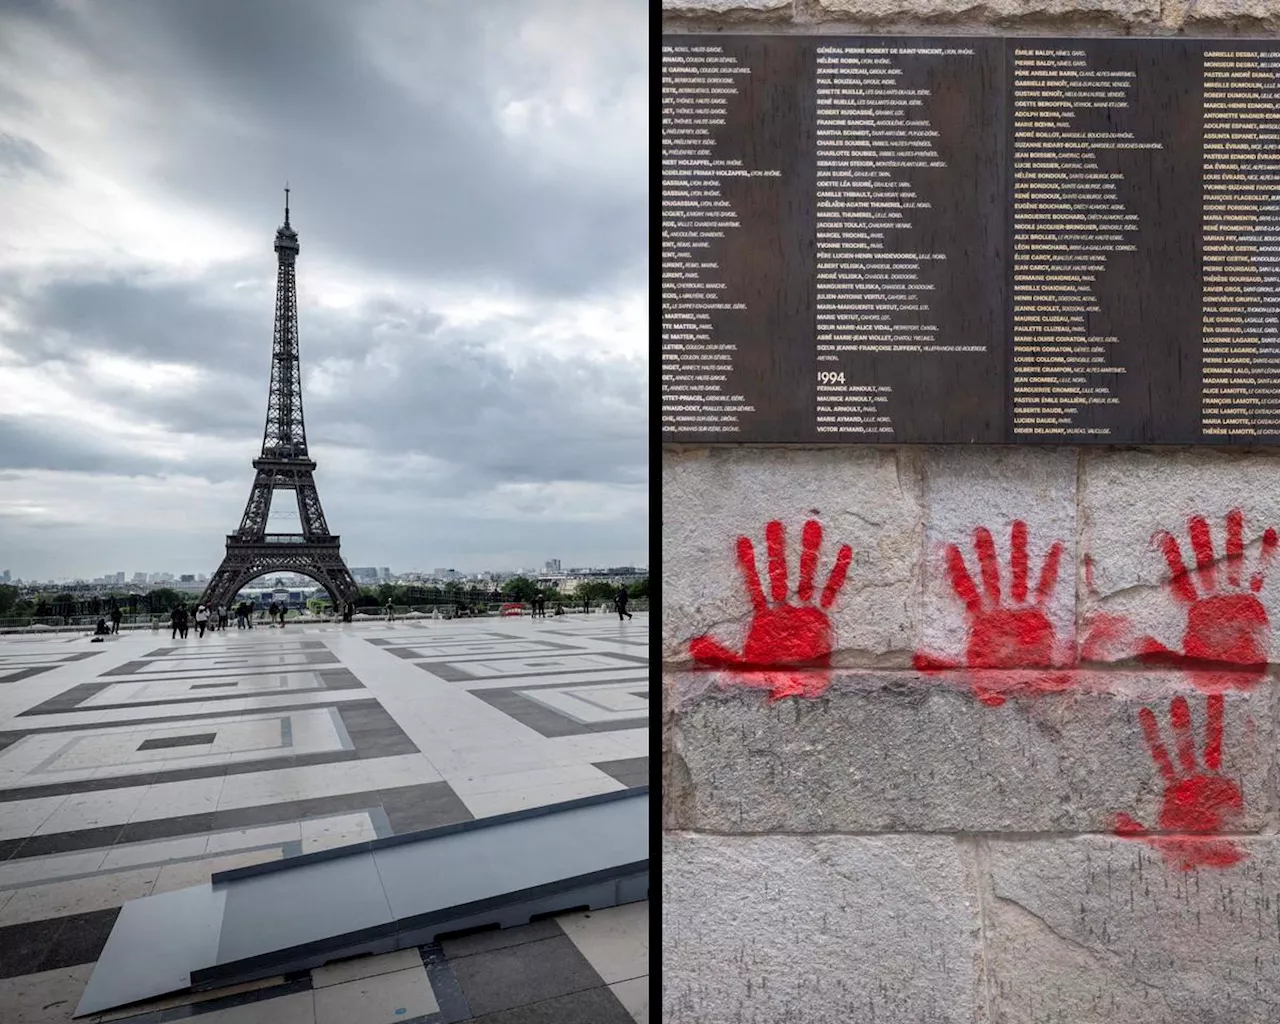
<point x="762" y="929"/>
<point x="885" y="751"/>
<point x="725" y="7"/>
<point x="1129" y="500"/>
<point x="994" y="489"/>
<point x="865" y="498"/>
<point x="1131" y="11"/>
<point x="1202" y="13"/>
<point x="1096" y="929"/>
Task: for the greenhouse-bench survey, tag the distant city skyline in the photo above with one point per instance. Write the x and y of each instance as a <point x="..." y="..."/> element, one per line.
<point x="470" y="190"/>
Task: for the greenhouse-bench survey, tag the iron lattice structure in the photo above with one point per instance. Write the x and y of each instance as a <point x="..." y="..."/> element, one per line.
<point x="284" y="465"/>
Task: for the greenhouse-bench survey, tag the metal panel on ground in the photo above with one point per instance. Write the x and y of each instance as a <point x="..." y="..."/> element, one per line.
<point x="377" y="896"/>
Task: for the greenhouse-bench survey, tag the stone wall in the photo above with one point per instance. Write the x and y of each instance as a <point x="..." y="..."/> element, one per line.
<point x="1030" y="774"/>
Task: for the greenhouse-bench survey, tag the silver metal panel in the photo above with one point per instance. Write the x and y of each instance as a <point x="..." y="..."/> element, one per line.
<point x="156" y="943"/>
<point x="291" y="908"/>
<point x="454" y="870"/>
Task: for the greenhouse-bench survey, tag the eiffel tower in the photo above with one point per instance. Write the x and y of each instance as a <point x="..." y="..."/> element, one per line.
<point x="283" y="466"/>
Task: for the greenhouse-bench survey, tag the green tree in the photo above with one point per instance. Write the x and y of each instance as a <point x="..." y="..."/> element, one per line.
<point x="520" y="588"/>
<point x="8" y="598"/>
<point x="164" y="599"/>
<point x="640" y="588"/>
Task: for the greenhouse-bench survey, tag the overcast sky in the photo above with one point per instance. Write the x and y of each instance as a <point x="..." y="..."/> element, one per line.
<point x="470" y="190"/>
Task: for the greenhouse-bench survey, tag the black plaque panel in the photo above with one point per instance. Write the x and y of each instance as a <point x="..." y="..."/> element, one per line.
<point x="957" y="240"/>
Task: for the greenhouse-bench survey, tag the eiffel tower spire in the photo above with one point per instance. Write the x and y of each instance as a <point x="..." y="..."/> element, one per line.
<point x="284" y="465"/>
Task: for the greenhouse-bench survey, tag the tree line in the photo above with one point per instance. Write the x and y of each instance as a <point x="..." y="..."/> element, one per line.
<point x="161" y="600"/>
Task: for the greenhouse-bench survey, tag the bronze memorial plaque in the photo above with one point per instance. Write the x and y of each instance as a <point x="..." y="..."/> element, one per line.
<point x="970" y="240"/>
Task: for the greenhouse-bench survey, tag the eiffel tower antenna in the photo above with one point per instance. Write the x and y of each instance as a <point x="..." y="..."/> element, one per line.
<point x="284" y="465"/>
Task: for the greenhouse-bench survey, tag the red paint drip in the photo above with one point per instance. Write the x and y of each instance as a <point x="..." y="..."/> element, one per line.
<point x="1018" y="560"/>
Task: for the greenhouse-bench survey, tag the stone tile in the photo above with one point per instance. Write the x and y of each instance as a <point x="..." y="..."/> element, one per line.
<point x="515" y="976"/>
<point x="499" y="938"/>
<point x="590" y="1006"/>
<point x="615" y="941"/>
<point x="634" y="996"/>
<point x="365" y="967"/>
<point x="296" y="1008"/>
<point x="49" y="997"/>
<point x="198" y="872"/>
<point x="1099" y="927"/>
<point x="100" y="892"/>
<point x="818" y="928"/>
<point x="900" y="752"/>
<point x="24" y="946"/>
<point x="380" y="999"/>
<point x="869" y="499"/>
<point x="80" y="939"/>
<point x="484" y="805"/>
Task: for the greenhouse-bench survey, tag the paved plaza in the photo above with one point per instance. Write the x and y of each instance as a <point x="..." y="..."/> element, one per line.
<point x="144" y="764"/>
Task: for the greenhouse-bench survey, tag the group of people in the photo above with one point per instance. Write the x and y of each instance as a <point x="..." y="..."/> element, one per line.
<point x="214" y="617"/>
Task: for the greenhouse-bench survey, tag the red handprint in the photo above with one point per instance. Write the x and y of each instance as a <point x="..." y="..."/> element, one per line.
<point x="784" y="634"/>
<point x="1005" y="636"/>
<point x="1224" y="646"/>
<point x="1198" y="802"/>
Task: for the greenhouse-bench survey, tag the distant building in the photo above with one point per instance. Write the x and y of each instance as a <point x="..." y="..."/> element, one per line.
<point x="553" y="565"/>
<point x="186" y="577"/>
<point x="4" y="576"/>
<point x="384" y="573"/>
<point x="139" y="577"/>
<point x="365" y="574"/>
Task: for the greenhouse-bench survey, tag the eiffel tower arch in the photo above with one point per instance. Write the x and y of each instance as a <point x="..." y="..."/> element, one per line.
<point x="284" y="466"/>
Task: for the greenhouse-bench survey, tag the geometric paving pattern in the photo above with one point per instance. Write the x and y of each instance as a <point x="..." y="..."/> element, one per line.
<point x="144" y="765"/>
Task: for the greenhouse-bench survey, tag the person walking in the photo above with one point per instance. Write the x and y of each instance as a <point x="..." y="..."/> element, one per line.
<point x="222" y="616"/>
<point x="116" y="616"/>
<point x="391" y="611"/>
<point x="184" y="620"/>
<point x="202" y="620"/>
<point x="175" y="619"/>
<point x="284" y="610"/>
<point x="620" y="603"/>
<point x="586" y="605"/>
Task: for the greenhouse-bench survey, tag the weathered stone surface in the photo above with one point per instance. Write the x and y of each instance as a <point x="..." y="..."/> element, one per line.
<point x="865" y="498"/>
<point x="901" y="752"/>
<point x="1098" y="929"/>
<point x="990" y="10"/>
<point x="1204" y="13"/>
<point x="1128" y="498"/>
<point x="763" y="929"/>
<point x="965" y="489"/>
<point x="725" y="7"/>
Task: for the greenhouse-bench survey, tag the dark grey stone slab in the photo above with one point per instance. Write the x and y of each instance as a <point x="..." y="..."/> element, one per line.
<point x="515" y="976"/>
<point x="499" y="938"/>
<point x="513" y="702"/>
<point x="630" y="771"/>
<point x="25" y="673"/>
<point x="590" y="1006"/>
<point x="197" y="740"/>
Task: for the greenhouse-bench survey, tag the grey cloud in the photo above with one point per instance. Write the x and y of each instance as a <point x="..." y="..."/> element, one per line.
<point x="296" y="99"/>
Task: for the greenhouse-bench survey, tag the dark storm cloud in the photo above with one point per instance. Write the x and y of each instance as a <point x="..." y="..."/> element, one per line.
<point x="269" y="91"/>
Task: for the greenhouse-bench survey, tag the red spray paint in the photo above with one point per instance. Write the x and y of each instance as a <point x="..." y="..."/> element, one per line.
<point x="1224" y="646"/>
<point x="1199" y="804"/>
<point x="1012" y="633"/>
<point x="785" y="633"/>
